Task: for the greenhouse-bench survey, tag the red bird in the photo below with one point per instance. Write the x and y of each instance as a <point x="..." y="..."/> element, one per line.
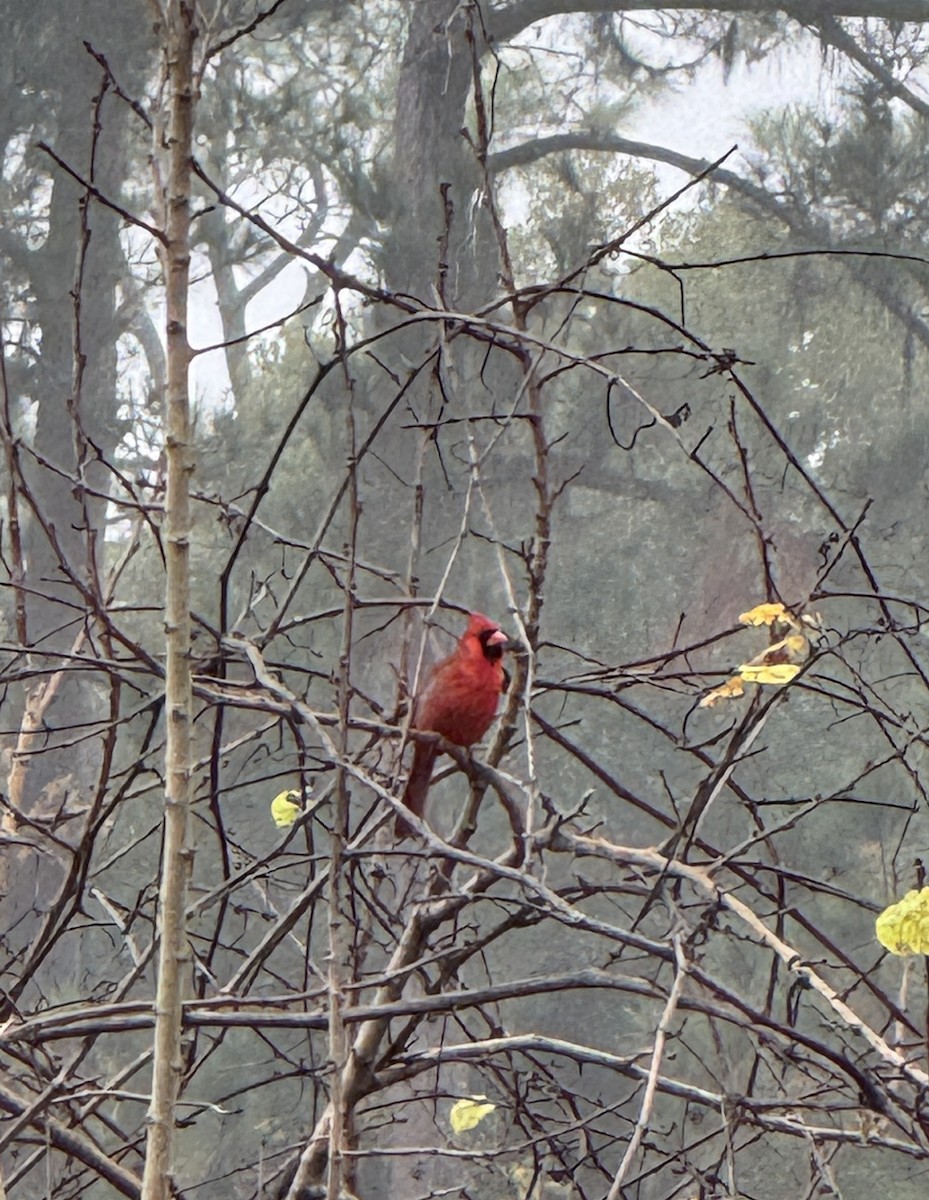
<point x="459" y="701"/>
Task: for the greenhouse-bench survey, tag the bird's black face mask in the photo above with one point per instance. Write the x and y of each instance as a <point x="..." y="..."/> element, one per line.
<point x="492" y="650"/>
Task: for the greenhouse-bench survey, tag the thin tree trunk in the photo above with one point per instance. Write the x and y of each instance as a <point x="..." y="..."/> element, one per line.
<point x="174" y="953"/>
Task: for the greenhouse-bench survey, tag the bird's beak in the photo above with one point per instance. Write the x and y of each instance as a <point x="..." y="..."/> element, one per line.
<point x="499" y="638"/>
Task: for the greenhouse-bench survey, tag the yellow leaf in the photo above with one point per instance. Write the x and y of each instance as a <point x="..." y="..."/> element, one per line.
<point x="764" y="614"/>
<point x="793" y="648"/>
<point x="903" y="928"/>
<point x="725" y="691"/>
<point x="466" y="1114"/>
<point x="285" y="808"/>
<point x="768" y="672"/>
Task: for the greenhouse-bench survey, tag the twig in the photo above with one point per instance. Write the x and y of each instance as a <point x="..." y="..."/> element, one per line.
<point x="127" y="216"/>
<point x="651" y="1081"/>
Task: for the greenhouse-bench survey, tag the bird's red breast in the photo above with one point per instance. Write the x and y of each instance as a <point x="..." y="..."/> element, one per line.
<point x="462" y="692"/>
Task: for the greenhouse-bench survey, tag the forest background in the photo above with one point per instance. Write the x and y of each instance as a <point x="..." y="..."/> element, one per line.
<point x="324" y="322"/>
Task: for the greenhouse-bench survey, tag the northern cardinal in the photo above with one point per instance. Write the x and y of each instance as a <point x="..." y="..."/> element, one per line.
<point x="459" y="701"/>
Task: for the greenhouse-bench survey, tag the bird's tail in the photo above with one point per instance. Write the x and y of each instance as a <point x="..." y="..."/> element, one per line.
<point x="417" y="786"/>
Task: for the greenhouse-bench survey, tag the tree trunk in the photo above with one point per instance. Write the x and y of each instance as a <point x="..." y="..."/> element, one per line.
<point x="430" y="149"/>
<point x="174" y="952"/>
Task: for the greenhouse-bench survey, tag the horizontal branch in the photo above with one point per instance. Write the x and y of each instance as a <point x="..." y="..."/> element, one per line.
<point x="226" y="1013"/>
<point x="509" y="20"/>
<point x="535" y="1044"/>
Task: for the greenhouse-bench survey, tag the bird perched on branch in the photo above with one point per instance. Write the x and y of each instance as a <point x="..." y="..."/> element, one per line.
<point x="459" y="701"/>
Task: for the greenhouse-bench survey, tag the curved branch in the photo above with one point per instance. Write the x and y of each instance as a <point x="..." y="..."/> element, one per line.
<point x="832" y="34"/>
<point x="508" y="22"/>
<point x="529" y="152"/>
<point x="802" y="228"/>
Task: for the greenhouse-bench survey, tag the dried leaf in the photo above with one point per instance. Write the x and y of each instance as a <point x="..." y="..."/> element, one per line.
<point x="466" y="1114"/>
<point x="726" y="691"/>
<point x="791" y="649"/>
<point x="765" y="614"/>
<point x="285" y="808"/>
<point x="778" y="673"/>
<point x="903" y="928"/>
